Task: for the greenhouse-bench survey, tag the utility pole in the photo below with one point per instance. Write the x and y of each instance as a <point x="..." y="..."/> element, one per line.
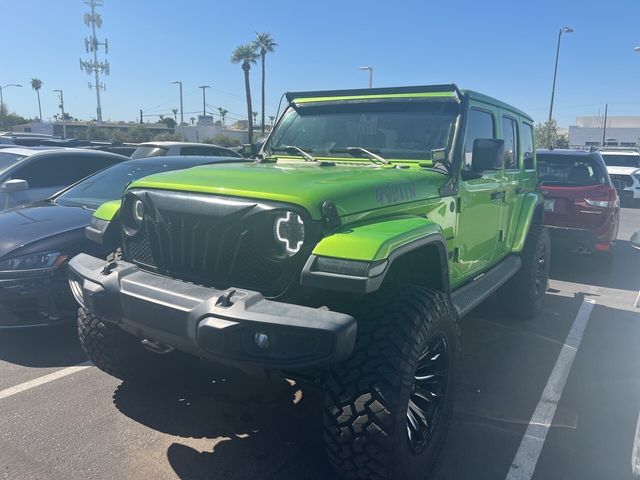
<point x="140" y="115"/>
<point x="64" y="124"/>
<point x="181" y="109"/>
<point x="555" y="70"/>
<point x="604" y="126"/>
<point x="204" y="100"/>
<point x="92" y="45"/>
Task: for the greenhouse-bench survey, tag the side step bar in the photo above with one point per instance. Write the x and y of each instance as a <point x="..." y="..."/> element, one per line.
<point x="469" y="296"/>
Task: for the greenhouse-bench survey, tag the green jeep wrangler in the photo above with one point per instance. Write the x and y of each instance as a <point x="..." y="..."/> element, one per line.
<point x="370" y="221"/>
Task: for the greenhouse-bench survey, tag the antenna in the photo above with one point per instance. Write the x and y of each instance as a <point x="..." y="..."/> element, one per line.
<point x="92" y="45"/>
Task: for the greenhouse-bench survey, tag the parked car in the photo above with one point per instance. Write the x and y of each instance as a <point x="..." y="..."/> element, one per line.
<point x="31" y="174"/>
<point x="582" y="209"/>
<point x="37" y="239"/>
<point x="624" y="169"/>
<point x="423" y="198"/>
<point x="160" y="149"/>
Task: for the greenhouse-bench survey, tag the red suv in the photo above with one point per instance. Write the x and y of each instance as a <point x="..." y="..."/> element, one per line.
<point x="582" y="208"/>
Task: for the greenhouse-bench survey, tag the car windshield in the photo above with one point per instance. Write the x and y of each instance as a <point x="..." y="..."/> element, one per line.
<point x="106" y="185"/>
<point x="613" y="160"/>
<point x="407" y="131"/>
<point x="565" y="170"/>
<point x="149" y="151"/>
<point x="7" y="160"/>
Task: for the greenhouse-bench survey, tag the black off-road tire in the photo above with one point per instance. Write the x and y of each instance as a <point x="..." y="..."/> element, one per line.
<point x="523" y="295"/>
<point x="367" y="397"/>
<point x="120" y="354"/>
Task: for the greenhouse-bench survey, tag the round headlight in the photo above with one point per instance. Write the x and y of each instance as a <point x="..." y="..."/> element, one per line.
<point x="138" y="211"/>
<point x="289" y="232"/>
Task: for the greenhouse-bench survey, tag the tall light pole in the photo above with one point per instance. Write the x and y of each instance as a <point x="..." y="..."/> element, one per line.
<point x="181" y="109"/>
<point x="370" y="74"/>
<point x="64" y="125"/>
<point x="2" y="100"/>
<point x="204" y="98"/>
<point x="555" y="70"/>
<point x="91" y="45"/>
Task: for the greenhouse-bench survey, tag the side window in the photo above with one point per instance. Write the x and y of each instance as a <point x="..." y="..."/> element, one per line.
<point x="60" y="171"/>
<point x="527" y="146"/>
<point x="479" y="125"/>
<point x="200" y="151"/>
<point x="510" y="136"/>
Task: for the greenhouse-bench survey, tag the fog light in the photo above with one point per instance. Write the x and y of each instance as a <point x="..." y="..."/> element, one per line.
<point x="76" y="290"/>
<point x="262" y="340"/>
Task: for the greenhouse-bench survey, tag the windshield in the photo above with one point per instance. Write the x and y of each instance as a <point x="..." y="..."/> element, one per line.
<point x="149" y="151"/>
<point x="8" y="160"/>
<point x="106" y="185"/>
<point x="407" y="131"/>
<point x="558" y="170"/>
<point x="621" y="160"/>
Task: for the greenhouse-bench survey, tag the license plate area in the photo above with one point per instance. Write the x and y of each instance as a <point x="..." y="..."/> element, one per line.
<point x="549" y="205"/>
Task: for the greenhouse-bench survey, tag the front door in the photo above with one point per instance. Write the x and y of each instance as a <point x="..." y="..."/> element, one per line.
<point x="480" y="205"/>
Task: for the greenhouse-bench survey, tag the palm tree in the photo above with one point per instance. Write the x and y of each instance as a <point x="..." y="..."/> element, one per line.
<point x="265" y="44"/>
<point x="255" y="117"/>
<point x="36" y="84"/>
<point x="271" y="119"/>
<point x="223" y="113"/>
<point x="221" y="119"/>
<point x="175" y="114"/>
<point x="246" y="55"/>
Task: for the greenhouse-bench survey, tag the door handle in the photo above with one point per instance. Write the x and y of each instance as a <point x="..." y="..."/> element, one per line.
<point x="497" y="195"/>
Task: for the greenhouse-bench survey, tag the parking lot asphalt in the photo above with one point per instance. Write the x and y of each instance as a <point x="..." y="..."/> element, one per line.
<point x="83" y="424"/>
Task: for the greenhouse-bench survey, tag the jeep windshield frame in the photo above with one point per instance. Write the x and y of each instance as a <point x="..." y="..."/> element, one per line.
<point x="397" y="129"/>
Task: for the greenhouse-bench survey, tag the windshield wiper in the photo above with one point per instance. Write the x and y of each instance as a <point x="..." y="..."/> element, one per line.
<point x="358" y="151"/>
<point x="292" y="149"/>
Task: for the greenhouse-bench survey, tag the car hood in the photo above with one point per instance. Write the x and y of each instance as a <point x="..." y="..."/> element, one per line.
<point x="352" y="188"/>
<point x="39" y="227"/>
<point x="623" y="170"/>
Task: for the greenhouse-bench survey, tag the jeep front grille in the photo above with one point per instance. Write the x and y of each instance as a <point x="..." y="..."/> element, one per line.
<point x="213" y="241"/>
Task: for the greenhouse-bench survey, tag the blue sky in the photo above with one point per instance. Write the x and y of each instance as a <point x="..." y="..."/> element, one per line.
<point x="502" y="48"/>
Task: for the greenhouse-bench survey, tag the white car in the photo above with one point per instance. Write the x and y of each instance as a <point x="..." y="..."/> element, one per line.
<point x="162" y="149"/>
<point x="624" y="170"/>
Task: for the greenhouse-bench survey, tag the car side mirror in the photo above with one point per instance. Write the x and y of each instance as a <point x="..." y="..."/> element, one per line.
<point x="14" y="185"/>
<point x="248" y="150"/>
<point x="635" y="240"/>
<point x="488" y="154"/>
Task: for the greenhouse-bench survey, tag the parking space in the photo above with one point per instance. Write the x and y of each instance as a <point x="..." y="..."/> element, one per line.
<point x="222" y="425"/>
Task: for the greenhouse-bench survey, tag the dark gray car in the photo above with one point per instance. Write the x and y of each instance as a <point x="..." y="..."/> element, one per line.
<point x="31" y="174"/>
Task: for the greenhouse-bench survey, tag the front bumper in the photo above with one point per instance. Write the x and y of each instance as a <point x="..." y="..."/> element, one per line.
<point x="34" y="298"/>
<point x="231" y="326"/>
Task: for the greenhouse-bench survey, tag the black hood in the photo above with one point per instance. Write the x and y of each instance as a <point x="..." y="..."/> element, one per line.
<point x="41" y="227"/>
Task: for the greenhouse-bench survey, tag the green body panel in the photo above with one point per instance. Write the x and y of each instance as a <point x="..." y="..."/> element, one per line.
<point x="108" y="211"/>
<point x="376" y="241"/>
<point x="529" y="204"/>
<point x="352" y="188"/>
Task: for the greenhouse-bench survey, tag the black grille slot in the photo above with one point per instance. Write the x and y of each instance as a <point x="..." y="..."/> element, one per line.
<point x="191" y="238"/>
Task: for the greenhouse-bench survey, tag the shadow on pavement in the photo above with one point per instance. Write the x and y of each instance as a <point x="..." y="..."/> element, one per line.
<point x="234" y="426"/>
<point x="622" y="274"/>
<point x="42" y="347"/>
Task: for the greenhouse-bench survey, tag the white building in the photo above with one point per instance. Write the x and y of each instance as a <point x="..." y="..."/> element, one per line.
<point x="620" y="132"/>
<point x="198" y="133"/>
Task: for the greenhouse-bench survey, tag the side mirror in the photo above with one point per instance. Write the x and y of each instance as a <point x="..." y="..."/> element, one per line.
<point x="635" y="240"/>
<point x="488" y="154"/>
<point x="15" y="185"/>
<point x="247" y="150"/>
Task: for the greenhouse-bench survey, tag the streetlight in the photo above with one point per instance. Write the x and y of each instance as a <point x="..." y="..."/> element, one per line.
<point x="2" y="101"/>
<point x="64" y="125"/>
<point x="370" y="75"/>
<point x="555" y="71"/>
<point x="181" y="109"/>
<point x="204" y="102"/>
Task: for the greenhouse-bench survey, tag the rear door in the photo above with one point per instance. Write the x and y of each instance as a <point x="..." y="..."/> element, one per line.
<point x="512" y="181"/>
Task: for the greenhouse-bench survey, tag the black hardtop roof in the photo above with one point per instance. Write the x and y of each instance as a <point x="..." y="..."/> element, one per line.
<point x="447" y="87"/>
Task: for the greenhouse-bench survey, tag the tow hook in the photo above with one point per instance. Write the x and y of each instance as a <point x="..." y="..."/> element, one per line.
<point x="157" y="347"/>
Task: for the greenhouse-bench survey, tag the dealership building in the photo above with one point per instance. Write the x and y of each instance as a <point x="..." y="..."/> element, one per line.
<point x="620" y="132"/>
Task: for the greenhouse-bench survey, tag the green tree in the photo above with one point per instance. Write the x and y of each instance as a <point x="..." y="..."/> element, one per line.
<point x="169" y="122"/>
<point x="264" y="43"/>
<point x="548" y="136"/>
<point x="8" y="120"/>
<point x="36" y="84"/>
<point x="139" y="133"/>
<point x="246" y="55"/>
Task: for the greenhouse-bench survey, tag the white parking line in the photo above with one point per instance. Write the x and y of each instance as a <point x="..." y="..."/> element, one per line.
<point x="524" y="463"/>
<point x="36" y="382"/>
<point x="635" y="453"/>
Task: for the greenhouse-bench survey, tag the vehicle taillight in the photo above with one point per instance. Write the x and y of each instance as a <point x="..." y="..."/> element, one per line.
<point x="597" y="203"/>
<point x="609" y="201"/>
